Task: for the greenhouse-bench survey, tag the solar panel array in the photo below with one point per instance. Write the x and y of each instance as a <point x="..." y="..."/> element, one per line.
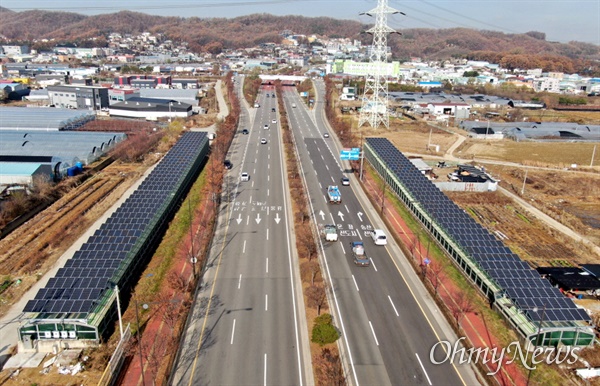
<point x="522" y="284"/>
<point x="104" y="259"/>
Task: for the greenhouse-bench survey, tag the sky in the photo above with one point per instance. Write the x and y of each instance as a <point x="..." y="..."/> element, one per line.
<point x="561" y="21"/>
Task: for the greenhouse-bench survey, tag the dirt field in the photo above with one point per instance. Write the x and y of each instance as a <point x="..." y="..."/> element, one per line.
<point x="550" y="154"/>
<point x="570" y="196"/>
<point x="31" y="250"/>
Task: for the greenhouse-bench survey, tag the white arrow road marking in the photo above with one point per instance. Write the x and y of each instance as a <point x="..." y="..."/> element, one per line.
<point x="239" y="219"/>
<point x="322" y="214"/>
<point x="341" y="215"/>
<point x="258" y="218"/>
<point x="277" y="219"/>
<point x="360" y="214"/>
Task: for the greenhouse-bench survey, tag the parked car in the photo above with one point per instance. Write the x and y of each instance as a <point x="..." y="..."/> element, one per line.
<point x="263" y="141"/>
<point x="227" y="163"/>
<point x="245" y="176"/>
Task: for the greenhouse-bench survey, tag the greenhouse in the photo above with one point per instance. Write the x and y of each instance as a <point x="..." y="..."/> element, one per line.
<point x="45" y="119"/>
<point x="77" y="307"/>
<point x="70" y="147"/>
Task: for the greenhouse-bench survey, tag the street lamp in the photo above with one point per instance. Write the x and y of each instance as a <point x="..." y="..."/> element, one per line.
<point x="139" y="336"/>
<point x="145" y="306"/>
<point x="193" y="258"/>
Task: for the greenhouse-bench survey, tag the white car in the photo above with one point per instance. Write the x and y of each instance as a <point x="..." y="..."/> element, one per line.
<point x="263" y="141"/>
<point x="274" y="121"/>
<point x="245" y="176"/>
<point x="266" y="127"/>
<point x="325" y="135"/>
<point x="345" y="181"/>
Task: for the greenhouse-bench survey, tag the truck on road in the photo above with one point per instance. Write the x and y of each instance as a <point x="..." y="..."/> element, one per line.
<point x="358" y="254"/>
<point x="333" y="192"/>
<point x="329" y="232"/>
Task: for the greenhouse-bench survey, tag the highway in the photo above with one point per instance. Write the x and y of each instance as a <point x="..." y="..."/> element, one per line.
<point x="247" y="325"/>
<point x="387" y="332"/>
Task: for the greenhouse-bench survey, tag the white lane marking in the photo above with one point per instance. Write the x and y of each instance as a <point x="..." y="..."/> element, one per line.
<point x="250" y="199"/>
<point x="244" y="247"/>
<point x="332" y="218"/>
<point x="423" y="367"/>
<point x="254" y="171"/>
<point x="265" y="384"/>
<point x="232" y="331"/>
<point x="247" y="220"/>
<point x="323" y="158"/>
<point x="374" y="336"/>
<point x="356" y="285"/>
<point x="266" y="302"/>
<point x="343" y="249"/>
<point x="347" y="210"/>
<point x="373" y="263"/>
<point x="252" y="183"/>
<point x="267" y="265"/>
<point x="359" y="235"/>
<point x="255" y="160"/>
<point x="267" y="192"/>
<point x="240" y="282"/>
<point x="267" y="233"/>
<point x="332" y="180"/>
<point x="326" y="167"/>
<point x="268" y="166"/>
<point x="393" y="306"/>
<point x="268" y="177"/>
<point x="269" y="156"/>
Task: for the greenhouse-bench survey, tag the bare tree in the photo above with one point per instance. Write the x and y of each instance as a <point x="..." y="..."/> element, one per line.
<point x="329" y="368"/>
<point x="316" y="297"/>
<point x="309" y="271"/>
<point x="461" y="305"/>
<point x="435" y="274"/>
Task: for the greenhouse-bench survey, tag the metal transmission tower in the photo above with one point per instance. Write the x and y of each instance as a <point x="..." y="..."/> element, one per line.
<point x="375" y="99"/>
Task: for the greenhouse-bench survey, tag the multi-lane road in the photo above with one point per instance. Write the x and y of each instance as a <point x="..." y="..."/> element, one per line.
<point x="248" y="324"/>
<point x="387" y="332"/>
<point x="246" y="328"/>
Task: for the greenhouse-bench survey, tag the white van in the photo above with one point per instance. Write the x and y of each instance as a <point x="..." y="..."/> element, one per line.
<point x="378" y="237"/>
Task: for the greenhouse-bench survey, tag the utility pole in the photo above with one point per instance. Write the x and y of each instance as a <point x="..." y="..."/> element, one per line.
<point x="375" y="98"/>
<point x="524" y="181"/>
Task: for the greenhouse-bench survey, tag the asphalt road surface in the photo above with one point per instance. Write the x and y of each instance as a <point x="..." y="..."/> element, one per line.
<point x="387" y="334"/>
<point x="245" y="326"/>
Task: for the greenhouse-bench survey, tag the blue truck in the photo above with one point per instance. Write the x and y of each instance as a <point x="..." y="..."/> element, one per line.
<point x="333" y="192"/>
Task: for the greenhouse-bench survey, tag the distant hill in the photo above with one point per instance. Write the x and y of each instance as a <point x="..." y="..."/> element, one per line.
<point x="215" y="34"/>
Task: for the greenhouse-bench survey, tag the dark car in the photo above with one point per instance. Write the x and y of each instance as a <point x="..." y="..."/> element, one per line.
<point x="273" y="110"/>
<point x="227" y="163"/>
<point x="245" y="131"/>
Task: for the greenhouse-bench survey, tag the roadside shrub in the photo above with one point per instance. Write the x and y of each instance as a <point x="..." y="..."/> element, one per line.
<point x="324" y="334"/>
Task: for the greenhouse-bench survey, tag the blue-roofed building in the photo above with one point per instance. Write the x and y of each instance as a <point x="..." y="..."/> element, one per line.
<point x="16" y="173"/>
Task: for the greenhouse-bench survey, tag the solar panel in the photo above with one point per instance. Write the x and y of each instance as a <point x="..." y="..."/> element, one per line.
<point x="79" y="285"/>
<point x="520" y="283"/>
